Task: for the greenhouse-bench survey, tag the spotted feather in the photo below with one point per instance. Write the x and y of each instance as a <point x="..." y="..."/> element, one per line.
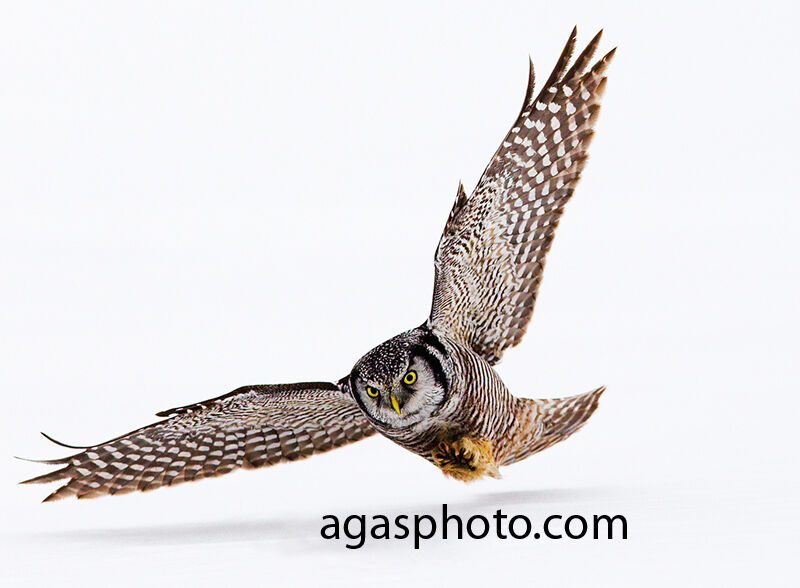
<point x="455" y="412"/>
<point x="250" y="427"/>
<point x="491" y="255"/>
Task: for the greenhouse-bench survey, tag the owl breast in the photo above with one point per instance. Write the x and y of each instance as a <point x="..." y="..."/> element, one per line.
<point x="478" y="406"/>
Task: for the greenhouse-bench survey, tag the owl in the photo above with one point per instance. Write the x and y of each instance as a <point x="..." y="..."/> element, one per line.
<point x="433" y="389"/>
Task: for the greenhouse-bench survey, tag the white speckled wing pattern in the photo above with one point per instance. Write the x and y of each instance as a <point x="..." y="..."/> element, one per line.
<point x="250" y="427"/>
<point x="488" y="268"/>
<point x="491" y="255"/>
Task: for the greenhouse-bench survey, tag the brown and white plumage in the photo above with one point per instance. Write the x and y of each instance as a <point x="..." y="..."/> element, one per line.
<point x="475" y="409"/>
<point x="250" y="427"/>
<point x="433" y="390"/>
<point x="490" y="258"/>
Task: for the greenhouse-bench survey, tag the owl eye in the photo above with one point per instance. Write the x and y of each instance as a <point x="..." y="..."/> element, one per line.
<point x="410" y="377"/>
<point x="372" y="392"/>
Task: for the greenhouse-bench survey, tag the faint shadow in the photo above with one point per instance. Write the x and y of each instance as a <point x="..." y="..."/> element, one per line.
<point x="288" y="532"/>
<point x="548" y="496"/>
<point x="191" y="533"/>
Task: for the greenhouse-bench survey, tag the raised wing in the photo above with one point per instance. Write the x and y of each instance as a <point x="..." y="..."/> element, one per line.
<point x="250" y="427"/>
<point x="491" y="255"/>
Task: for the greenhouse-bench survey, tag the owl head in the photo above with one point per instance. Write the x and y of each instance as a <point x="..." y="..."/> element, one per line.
<point x="404" y="380"/>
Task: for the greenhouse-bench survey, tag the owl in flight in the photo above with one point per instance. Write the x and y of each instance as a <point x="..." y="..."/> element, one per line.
<point x="433" y="389"/>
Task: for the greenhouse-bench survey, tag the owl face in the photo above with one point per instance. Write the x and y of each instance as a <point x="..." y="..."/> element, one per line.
<point x="404" y="380"/>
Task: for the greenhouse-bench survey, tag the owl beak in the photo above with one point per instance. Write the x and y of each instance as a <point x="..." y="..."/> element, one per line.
<point x="395" y="404"/>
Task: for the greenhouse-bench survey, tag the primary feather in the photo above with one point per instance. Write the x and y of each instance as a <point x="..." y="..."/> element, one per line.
<point x="455" y="412"/>
<point x="253" y="426"/>
<point x="491" y="255"/>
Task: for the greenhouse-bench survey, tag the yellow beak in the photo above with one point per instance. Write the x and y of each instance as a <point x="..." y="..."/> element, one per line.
<point x="395" y="406"/>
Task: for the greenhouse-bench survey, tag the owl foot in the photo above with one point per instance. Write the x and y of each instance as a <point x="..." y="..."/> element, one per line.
<point x="465" y="459"/>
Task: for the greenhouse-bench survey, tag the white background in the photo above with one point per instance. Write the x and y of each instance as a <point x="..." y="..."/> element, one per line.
<point x="199" y="197"/>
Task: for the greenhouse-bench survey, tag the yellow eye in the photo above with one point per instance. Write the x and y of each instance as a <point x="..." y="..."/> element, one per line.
<point x="410" y="377"/>
<point x="372" y="392"/>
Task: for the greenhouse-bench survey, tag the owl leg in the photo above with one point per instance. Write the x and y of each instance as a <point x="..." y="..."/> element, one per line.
<point x="466" y="459"/>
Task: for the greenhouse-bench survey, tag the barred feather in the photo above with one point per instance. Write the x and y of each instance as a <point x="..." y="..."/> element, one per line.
<point x="491" y="255"/>
<point x="542" y="423"/>
<point x="480" y="406"/>
<point x="489" y="264"/>
<point x="250" y="427"/>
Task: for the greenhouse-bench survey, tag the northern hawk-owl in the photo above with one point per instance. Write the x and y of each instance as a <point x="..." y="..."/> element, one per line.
<point x="433" y="389"/>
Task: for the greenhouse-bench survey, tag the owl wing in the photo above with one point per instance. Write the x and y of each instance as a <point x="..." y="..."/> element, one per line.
<point x="491" y="255"/>
<point x="250" y="427"/>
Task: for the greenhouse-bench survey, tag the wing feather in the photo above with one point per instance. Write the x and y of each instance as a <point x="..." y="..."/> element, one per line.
<point x="490" y="258"/>
<point x="253" y="426"/>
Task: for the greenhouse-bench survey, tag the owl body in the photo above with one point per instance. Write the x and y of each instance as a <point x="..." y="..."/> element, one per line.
<point x="471" y="423"/>
<point x="467" y="397"/>
<point x="433" y="389"/>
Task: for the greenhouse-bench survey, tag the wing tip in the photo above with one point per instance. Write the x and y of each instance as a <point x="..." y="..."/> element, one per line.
<point x="54" y="476"/>
<point x="49" y="438"/>
<point x="531" y="84"/>
<point x="63" y="460"/>
<point x="602" y="64"/>
<point x="59" y="494"/>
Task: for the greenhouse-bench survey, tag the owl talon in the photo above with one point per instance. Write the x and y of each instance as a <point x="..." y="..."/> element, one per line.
<point x="487" y="275"/>
<point x="465" y="459"/>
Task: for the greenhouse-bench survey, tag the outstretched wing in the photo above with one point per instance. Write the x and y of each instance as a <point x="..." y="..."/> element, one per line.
<point x="491" y="255"/>
<point x="250" y="427"/>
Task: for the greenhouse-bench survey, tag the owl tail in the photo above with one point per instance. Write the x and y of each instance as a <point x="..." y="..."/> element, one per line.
<point x="546" y="422"/>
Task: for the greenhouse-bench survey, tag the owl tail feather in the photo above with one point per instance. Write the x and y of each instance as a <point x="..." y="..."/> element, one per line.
<point x="546" y="422"/>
